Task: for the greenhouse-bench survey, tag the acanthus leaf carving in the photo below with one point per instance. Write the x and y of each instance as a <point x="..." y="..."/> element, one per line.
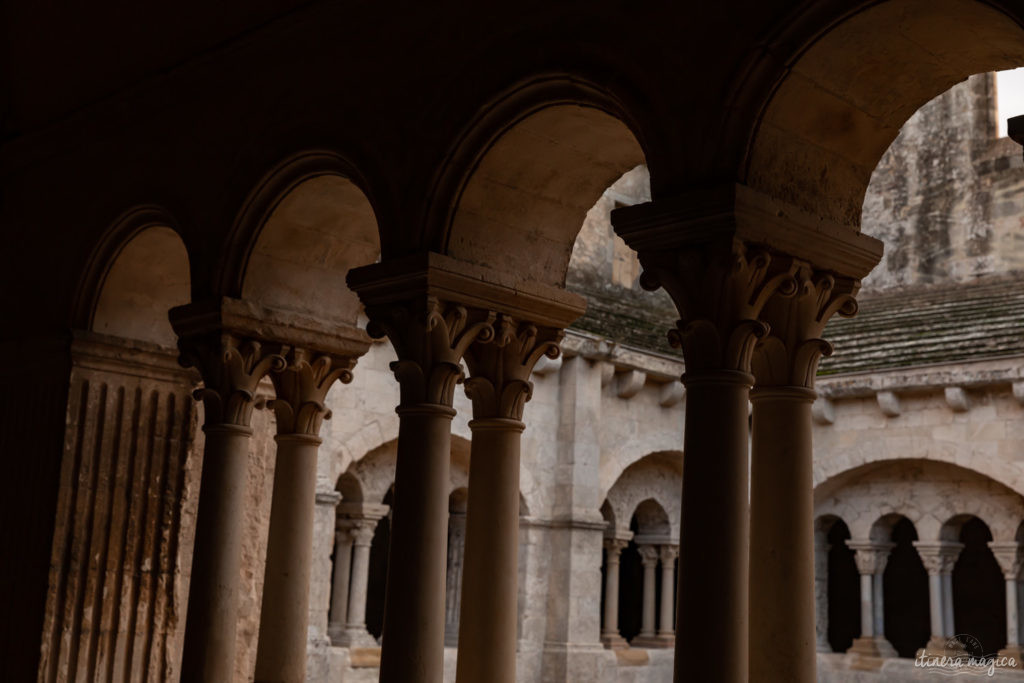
<point x="302" y="387"/>
<point x="499" y="383"/>
<point x="430" y="337"/>
<point x="719" y="290"/>
<point x="790" y="353"/>
<point x="231" y="369"/>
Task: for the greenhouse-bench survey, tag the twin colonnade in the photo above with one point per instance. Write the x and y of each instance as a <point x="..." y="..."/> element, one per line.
<point x="751" y="317"/>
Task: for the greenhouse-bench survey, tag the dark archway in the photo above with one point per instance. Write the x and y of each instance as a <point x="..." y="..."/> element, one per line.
<point x="843" y="590"/>
<point x="631" y="588"/>
<point x="979" y="590"/>
<point x="377" y="581"/>
<point x="905" y="593"/>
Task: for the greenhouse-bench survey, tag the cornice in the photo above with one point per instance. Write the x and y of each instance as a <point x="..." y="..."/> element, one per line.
<point x="435" y="275"/>
<point x="131" y="357"/>
<point x="706" y="214"/>
<point x="657" y="366"/>
<point x="986" y="373"/>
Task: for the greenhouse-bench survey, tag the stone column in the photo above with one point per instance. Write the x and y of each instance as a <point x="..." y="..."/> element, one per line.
<point x="355" y="626"/>
<point x="1009" y="555"/>
<point x="666" y="629"/>
<point x="433" y="308"/>
<point x="499" y="386"/>
<point x="938" y="559"/>
<point x="785" y="361"/>
<point x="821" y="548"/>
<point x="649" y="558"/>
<point x="231" y="367"/>
<point x="613" y="555"/>
<point x="871" y="557"/>
<point x="453" y="586"/>
<point x="340" y="581"/>
<point x="299" y="408"/>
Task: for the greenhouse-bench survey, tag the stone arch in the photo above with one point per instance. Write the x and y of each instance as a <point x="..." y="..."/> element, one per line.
<point x="136" y="275"/>
<point x="523" y="177"/>
<point x="301" y="230"/>
<point x="349" y="488"/>
<point x="928" y="493"/>
<point x="658" y="477"/>
<point x="651" y="518"/>
<point x="842" y="99"/>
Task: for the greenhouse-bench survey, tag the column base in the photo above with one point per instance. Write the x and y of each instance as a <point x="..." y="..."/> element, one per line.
<point x="613" y="641"/>
<point x="937" y="646"/>
<point x="653" y="642"/>
<point x="354" y="638"/>
<point x="873" y="646"/>
<point x="1016" y="652"/>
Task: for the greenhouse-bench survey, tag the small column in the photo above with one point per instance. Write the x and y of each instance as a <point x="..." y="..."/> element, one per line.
<point x="938" y="559"/>
<point x="453" y="585"/>
<point x="499" y="387"/>
<point x="433" y="308"/>
<point x="821" y="550"/>
<point x="666" y="629"/>
<point x="355" y="628"/>
<point x="231" y="367"/>
<point x="1009" y="555"/>
<point x="299" y="408"/>
<point x="782" y="606"/>
<point x="340" y="580"/>
<point x="649" y="558"/>
<point x="613" y="555"/>
<point x="871" y="557"/>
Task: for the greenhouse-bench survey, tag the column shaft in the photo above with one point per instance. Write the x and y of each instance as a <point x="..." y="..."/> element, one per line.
<point x="711" y="598"/>
<point x="284" y="616"/>
<point x="209" y="650"/>
<point x="667" y="584"/>
<point x="878" y="605"/>
<point x="647" y="622"/>
<point x="935" y="605"/>
<point x="867" y="616"/>
<point x="358" y="583"/>
<point x="487" y="624"/>
<point x="947" y="605"/>
<point x="413" y="638"/>
<point x="782" y="631"/>
<point x="340" y="583"/>
<point x="1012" y="637"/>
<point x="611" y="594"/>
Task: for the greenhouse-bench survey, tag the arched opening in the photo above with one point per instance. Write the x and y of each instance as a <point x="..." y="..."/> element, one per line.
<point x="979" y="590"/>
<point x="527" y="197"/>
<point x="377" y="580"/>
<point x="905" y="591"/>
<point x="311" y="237"/>
<point x="846" y="96"/>
<point x="631" y="588"/>
<point x="843" y="589"/>
<point x="148" y="277"/>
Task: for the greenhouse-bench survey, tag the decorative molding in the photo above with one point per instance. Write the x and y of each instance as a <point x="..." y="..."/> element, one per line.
<point x="629" y="383"/>
<point x="938" y="558"/>
<point x="671" y="393"/>
<point x="823" y="411"/>
<point x="1010" y="556"/>
<point x="301" y="390"/>
<point x="888" y="403"/>
<point x="658" y="366"/>
<point x="957" y="399"/>
<point x="968" y="375"/>
<point x="871" y="556"/>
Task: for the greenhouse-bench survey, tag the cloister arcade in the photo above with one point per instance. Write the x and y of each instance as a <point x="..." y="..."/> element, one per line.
<point x="249" y="200"/>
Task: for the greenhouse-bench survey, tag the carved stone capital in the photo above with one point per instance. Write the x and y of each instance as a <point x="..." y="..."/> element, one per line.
<point x="615" y="546"/>
<point x="302" y="387"/>
<point x="499" y="384"/>
<point x="648" y="555"/>
<point x="231" y="368"/>
<point x="668" y="553"/>
<point x="788" y="355"/>
<point x="235" y="343"/>
<point x="362" y="532"/>
<point x="719" y="289"/>
<point x="938" y="558"/>
<point x="1010" y="556"/>
<point x="871" y="556"/>
<point x="434" y="308"/>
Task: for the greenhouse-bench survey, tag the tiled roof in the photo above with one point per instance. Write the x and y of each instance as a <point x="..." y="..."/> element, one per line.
<point x="926" y="325"/>
<point x="897" y="328"/>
